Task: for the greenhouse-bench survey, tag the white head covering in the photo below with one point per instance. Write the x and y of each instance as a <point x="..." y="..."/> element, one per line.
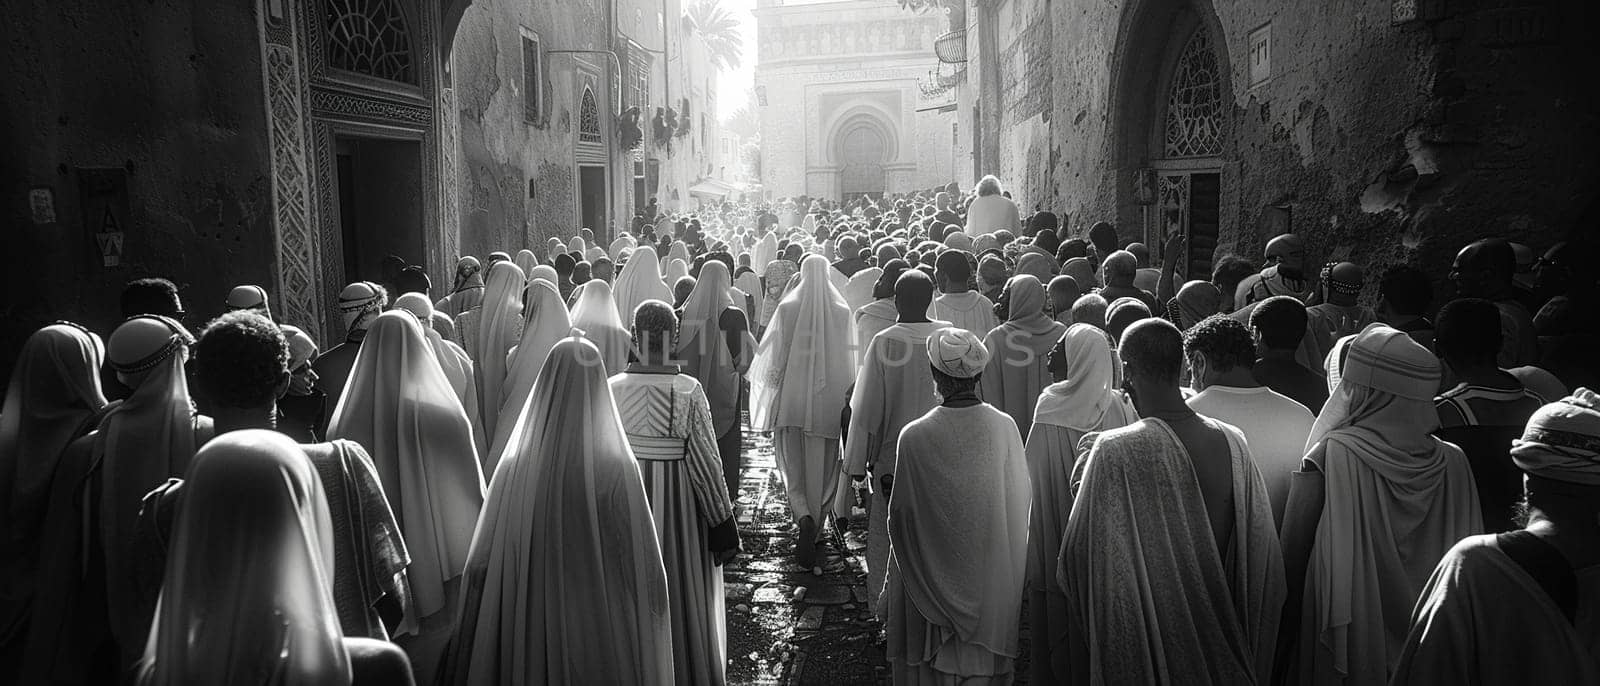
<point x="764" y="252"/>
<point x="565" y="564"/>
<point x="594" y="316"/>
<point x="148" y="438"/>
<point x="806" y="360"/>
<point x="498" y="320"/>
<point x="957" y="352"/>
<point x="303" y="350"/>
<point x="1562" y="441"/>
<point x="547" y="325"/>
<point x="53" y="393"/>
<point x="359" y="303"/>
<point x="1081" y="401"/>
<point x="706" y="303"/>
<point x="639" y="281"/>
<point x="676" y="269"/>
<point x="401" y="408"/>
<point x="623" y="242"/>
<point x="452" y="359"/>
<point x="525" y="260"/>
<point x="546" y="273"/>
<point x="249" y="298"/>
<point x="253" y="514"/>
<point x="1385" y="387"/>
<point x="593" y="253"/>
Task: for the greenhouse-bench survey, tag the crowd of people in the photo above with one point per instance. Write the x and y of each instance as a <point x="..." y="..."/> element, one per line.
<point x="531" y="476"/>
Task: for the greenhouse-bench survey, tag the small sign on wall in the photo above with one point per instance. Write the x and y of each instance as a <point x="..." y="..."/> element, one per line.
<point x="42" y="203"/>
<point x="1261" y="54"/>
<point x="104" y="194"/>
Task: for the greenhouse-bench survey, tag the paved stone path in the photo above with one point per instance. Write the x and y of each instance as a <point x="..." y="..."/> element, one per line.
<point x="786" y="624"/>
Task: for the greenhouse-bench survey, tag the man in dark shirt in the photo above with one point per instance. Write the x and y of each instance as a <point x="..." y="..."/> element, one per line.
<point x="1279" y="323"/>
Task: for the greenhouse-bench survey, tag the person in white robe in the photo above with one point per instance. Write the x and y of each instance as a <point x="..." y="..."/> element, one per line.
<point x="673" y="436"/>
<point x="1018" y="350"/>
<point x="1378" y="501"/>
<point x="565" y="583"/>
<point x="548" y="322"/>
<point x="639" y="281"/>
<point x="1170" y="562"/>
<point x="525" y="260"/>
<point x="400" y="407"/>
<point x="958" y="531"/>
<point x="595" y="315"/>
<point x="454" y="361"/>
<point x="715" y="347"/>
<point x="957" y="302"/>
<point x="1522" y="607"/>
<point x="893" y="388"/>
<point x="1081" y="401"/>
<point x="255" y="514"/>
<point x="798" y="384"/>
<point x="498" y="320"/>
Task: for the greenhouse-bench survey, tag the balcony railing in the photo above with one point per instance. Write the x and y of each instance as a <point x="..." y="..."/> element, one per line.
<point x="951" y="48"/>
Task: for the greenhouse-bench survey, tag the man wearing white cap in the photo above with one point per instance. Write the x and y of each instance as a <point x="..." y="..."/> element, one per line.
<point x="958" y="530"/>
<point x="253" y="298"/>
<point x="360" y="304"/>
<point x="1522" y="607"/>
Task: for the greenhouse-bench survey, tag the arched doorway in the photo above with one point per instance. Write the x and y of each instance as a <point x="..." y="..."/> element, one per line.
<point x="1189" y="167"/>
<point x="1172" y="128"/>
<point x="862" y="153"/>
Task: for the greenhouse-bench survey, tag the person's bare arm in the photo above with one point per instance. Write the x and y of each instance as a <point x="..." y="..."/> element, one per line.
<point x="1167" y="286"/>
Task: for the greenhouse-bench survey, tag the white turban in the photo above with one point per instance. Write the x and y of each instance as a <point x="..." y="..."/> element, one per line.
<point x="957" y="352"/>
<point x="1562" y="441"/>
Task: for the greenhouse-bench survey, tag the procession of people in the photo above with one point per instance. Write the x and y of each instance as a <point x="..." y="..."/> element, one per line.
<point x="1268" y="474"/>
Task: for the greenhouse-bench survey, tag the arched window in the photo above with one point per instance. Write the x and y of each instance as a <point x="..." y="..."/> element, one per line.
<point x="588" y="118"/>
<point x="369" y="37"/>
<point x="1194" y="102"/>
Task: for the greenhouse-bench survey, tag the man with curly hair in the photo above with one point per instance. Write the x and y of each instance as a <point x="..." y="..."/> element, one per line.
<point x="241" y="369"/>
<point x="1221" y="353"/>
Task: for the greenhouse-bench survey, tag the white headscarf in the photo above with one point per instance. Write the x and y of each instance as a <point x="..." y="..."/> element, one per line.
<point x="546" y="273"/>
<point x="639" y="281"/>
<point x="453" y="360"/>
<point x="957" y="352"/>
<point x="706" y="303"/>
<point x="53" y="394"/>
<point x="1562" y="441"/>
<point x="595" y="317"/>
<point x="1080" y="402"/>
<point x="498" y="320"/>
<point x="1384" y="392"/>
<point x="401" y="408"/>
<point x="565" y="582"/>
<point x="805" y="362"/>
<point x="764" y="252"/>
<point x="547" y="325"/>
<point x="525" y="260"/>
<point x="255" y="515"/>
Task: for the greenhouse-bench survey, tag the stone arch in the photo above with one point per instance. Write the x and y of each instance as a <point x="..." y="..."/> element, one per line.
<point x="1150" y="49"/>
<point x="855" y="115"/>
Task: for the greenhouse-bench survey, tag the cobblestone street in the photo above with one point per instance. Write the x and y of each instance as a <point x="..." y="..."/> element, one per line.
<point x="787" y="624"/>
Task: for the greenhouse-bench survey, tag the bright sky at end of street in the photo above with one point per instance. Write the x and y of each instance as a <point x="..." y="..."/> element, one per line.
<point x="733" y="85"/>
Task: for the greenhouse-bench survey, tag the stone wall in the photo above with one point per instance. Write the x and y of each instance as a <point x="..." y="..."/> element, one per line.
<point x="517" y="182"/>
<point x="170" y="93"/>
<point x="1386" y="140"/>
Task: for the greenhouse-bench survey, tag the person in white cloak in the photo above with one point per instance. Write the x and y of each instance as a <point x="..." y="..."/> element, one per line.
<point x="454" y="361"/>
<point x="498" y="320"/>
<point x="595" y="315"/>
<point x="798" y="381"/>
<point x="548" y="322"/>
<point x="1081" y="401"/>
<point x="1170" y="561"/>
<point x="565" y="583"/>
<point x="639" y="281"/>
<point x="892" y="388"/>
<point x="958" y="531"/>
<point x="1019" y="348"/>
<point x="400" y="407"/>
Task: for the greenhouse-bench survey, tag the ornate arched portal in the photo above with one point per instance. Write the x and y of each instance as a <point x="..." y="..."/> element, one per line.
<point x="1173" y="129"/>
<point x="863" y="149"/>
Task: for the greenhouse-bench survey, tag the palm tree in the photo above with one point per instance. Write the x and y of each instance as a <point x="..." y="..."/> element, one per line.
<point x="719" y="30"/>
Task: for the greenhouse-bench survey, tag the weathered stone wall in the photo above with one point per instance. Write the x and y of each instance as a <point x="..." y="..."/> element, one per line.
<point x="1025" y="54"/>
<point x="1388" y="142"/>
<point x="504" y="158"/>
<point x="171" y="93"/>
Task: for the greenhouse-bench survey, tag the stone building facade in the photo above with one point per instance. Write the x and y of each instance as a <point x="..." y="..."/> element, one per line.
<point x="287" y="143"/>
<point x="840" y="94"/>
<point x="1382" y="130"/>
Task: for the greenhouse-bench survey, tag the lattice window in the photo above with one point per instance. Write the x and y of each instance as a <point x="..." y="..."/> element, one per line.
<point x="1194" y="102"/>
<point x="369" y="37"/>
<point x="639" y="78"/>
<point x="588" y="118"/>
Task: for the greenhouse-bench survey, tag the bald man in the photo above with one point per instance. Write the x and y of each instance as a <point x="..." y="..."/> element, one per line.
<point x="1120" y="270"/>
<point x="894" y="387"/>
<point x="1148" y="277"/>
<point x="1283" y="275"/>
<point x="1485" y="269"/>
